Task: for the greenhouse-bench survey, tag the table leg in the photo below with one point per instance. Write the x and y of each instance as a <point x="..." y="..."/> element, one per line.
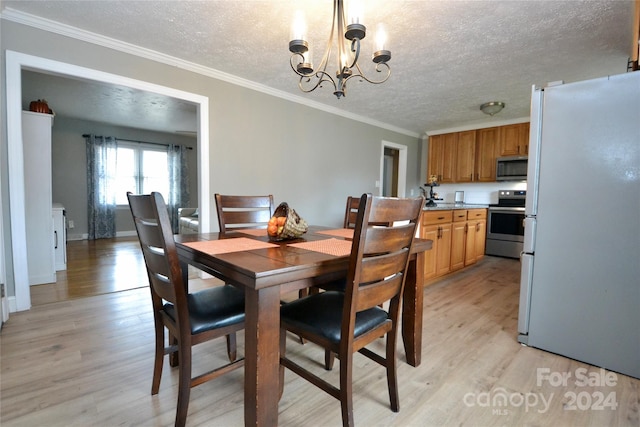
<point x="262" y="356"/>
<point x="412" y="310"/>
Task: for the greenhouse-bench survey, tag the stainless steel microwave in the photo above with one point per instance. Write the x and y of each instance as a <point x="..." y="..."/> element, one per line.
<point x="512" y="168"/>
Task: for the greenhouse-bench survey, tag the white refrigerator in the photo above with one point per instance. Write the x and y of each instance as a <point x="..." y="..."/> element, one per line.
<point x="580" y="279"/>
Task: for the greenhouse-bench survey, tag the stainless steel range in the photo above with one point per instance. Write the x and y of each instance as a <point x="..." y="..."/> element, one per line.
<point x="505" y="224"/>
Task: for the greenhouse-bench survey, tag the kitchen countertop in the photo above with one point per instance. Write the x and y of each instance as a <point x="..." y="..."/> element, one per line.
<point x="453" y="206"/>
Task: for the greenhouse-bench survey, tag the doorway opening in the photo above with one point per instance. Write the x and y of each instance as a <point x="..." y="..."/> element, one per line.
<point x="393" y="170"/>
<point x="15" y="63"/>
<point x="390" y="172"/>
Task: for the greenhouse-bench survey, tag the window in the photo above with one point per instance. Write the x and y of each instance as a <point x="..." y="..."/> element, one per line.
<point x="141" y="169"/>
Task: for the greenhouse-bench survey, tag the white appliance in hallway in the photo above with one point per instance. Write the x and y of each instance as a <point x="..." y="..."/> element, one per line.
<point x="580" y="283"/>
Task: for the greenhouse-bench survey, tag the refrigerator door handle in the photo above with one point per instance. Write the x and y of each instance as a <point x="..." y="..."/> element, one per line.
<point x="526" y="277"/>
<point x="529" y="245"/>
<point x="533" y="165"/>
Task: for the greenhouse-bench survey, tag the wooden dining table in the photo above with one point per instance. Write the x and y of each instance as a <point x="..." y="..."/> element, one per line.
<point x="266" y="270"/>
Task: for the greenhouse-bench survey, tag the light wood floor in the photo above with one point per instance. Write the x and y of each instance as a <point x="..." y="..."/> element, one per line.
<point x="88" y="361"/>
<point x="95" y="267"/>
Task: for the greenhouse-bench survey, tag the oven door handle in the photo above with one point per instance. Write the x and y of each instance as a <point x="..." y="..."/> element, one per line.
<point x="506" y="209"/>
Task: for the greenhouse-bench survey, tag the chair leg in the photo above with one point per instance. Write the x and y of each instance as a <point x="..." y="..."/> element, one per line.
<point x="174" y="358"/>
<point x="232" y="348"/>
<point x="392" y="378"/>
<point x="301" y="294"/>
<point x="329" y="358"/>
<point x="184" y="383"/>
<point x="159" y="359"/>
<point x="346" y="390"/>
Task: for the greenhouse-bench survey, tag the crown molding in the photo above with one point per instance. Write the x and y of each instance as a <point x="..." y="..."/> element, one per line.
<point x="111" y="43"/>
<point x="474" y="126"/>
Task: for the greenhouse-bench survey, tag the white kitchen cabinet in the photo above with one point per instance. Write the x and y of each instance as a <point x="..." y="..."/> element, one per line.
<point x="59" y="236"/>
<point x="36" y="137"/>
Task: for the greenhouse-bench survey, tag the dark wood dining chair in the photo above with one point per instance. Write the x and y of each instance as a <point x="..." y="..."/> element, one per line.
<point x="351" y="212"/>
<point x="345" y="322"/>
<point x="350" y="215"/>
<point x="237" y="212"/>
<point x="191" y="318"/>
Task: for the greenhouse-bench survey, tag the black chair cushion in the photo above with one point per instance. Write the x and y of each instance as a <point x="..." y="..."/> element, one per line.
<point x="212" y="308"/>
<point x="337" y="285"/>
<point x="321" y="314"/>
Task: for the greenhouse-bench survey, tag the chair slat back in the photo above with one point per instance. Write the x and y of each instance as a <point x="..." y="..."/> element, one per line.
<point x="235" y="212"/>
<point x="384" y="233"/>
<point x="153" y="226"/>
<point x="351" y="212"/>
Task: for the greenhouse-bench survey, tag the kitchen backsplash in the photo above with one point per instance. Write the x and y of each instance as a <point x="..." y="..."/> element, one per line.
<point x="477" y="193"/>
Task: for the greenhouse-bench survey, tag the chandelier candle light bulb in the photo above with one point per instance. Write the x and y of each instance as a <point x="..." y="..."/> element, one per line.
<point x="356" y="12"/>
<point x="381" y="52"/>
<point x="348" y="42"/>
<point x="298" y="43"/>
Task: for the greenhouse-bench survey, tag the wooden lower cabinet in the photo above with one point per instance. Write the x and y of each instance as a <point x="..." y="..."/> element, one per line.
<point x="470" y="256"/>
<point x="436" y="226"/>
<point x="476" y="235"/>
<point x="444" y="250"/>
<point x="430" y="257"/>
<point x="458" y="240"/>
<point x="481" y="238"/>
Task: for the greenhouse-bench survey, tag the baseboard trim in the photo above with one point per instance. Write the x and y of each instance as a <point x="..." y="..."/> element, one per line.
<point x="85" y="236"/>
<point x="13" y="307"/>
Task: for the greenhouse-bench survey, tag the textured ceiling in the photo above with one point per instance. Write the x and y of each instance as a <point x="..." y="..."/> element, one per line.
<point x="107" y="103"/>
<point x="448" y="57"/>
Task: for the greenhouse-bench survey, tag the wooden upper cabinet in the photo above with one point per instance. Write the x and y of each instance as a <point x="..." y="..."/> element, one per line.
<point x="435" y="159"/>
<point x="465" y="156"/>
<point x="449" y="157"/>
<point x="514" y="140"/>
<point x="442" y="149"/>
<point x="487" y="146"/>
<point x="470" y="156"/>
<point x="452" y="156"/>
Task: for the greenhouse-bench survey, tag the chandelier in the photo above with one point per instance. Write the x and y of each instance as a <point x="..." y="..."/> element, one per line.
<point x="348" y="43"/>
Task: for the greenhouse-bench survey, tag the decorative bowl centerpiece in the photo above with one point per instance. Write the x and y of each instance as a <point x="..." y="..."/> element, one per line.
<point x="286" y="224"/>
<point x="40" y="106"/>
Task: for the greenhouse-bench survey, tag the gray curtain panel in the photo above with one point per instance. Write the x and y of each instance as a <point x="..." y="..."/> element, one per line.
<point x="178" y="183"/>
<point x="101" y="175"/>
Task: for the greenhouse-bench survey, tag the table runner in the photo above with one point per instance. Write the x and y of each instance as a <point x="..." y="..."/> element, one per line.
<point x="347" y="233"/>
<point x="229" y="245"/>
<point x="335" y="247"/>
